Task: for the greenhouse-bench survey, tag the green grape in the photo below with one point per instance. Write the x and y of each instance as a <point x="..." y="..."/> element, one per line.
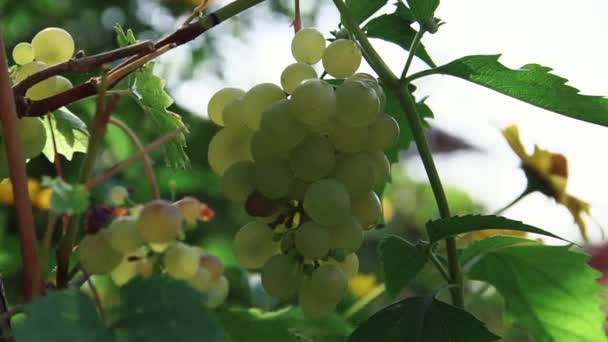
<point x="348" y="235"/>
<point x="307" y="46"/>
<point x="124" y="272"/>
<point x="202" y="280"/>
<point x="213" y="265"/>
<point x="228" y="146"/>
<point x="158" y="247"/>
<point x="350" y="265"/>
<point x="313" y="158"/>
<point x="233" y="114"/>
<point x="329" y="282"/>
<point x="281" y="276"/>
<point x="299" y="189"/>
<point x="367" y="209"/>
<point x="239" y="181"/>
<point x="372" y="82"/>
<point x="264" y="147"/>
<point x="349" y="139"/>
<point x="181" y="261"/>
<point x="381" y="167"/>
<point x="357" y="103"/>
<point x="96" y="255"/>
<point x="190" y="208"/>
<point x="312" y="303"/>
<point x="118" y="195"/>
<point x="294" y="74"/>
<point x="62" y="84"/>
<point x="23" y="53"/>
<point x="124" y="236"/>
<point x="220" y="100"/>
<point x="313" y="102"/>
<point x="273" y="178"/>
<point x="341" y="58"/>
<point x="53" y="45"/>
<point x="284" y="129"/>
<point x="28" y="70"/>
<point x="41" y="89"/>
<point x="383" y="133"/>
<point x="312" y="240"/>
<point x="257" y="100"/>
<point x="32" y="135"/>
<point x="323" y="128"/>
<point x="327" y="202"/>
<point x="355" y="171"/>
<point x="217" y="292"/>
<point x="159" y="222"/>
<point x="253" y="245"/>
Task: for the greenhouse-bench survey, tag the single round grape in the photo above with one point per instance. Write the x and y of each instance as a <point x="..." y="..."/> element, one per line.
<point x="329" y="282"/>
<point x="312" y="240"/>
<point x="341" y="58"/>
<point x="294" y="74"/>
<point x="355" y="171"/>
<point x="233" y="114"/>
<point x="219" y="101"/>
<point x="383" y="133"/>
<point x="313" y="158"/>
<point x="23" y="53"/>
<point x="53" y="45"/>
<point x="62" y="84"/>
<point x="367" y="209"/>
<point x="312" y="303"/>
<point x="350" y="265"/>
<point x="327" y="202"/>
<point x="313" y="102"/>
<point x="381" y="167"/>
<point x="41" y="89"/>
<point x="257" y="100"/>
<point x="357" y="103"/>
<point x="28" y="70"/>
<point x="229" y="145"/>
<point x="32" y="134"/>
<point x="96" y="255"/>
<point x="239" y="181"/>
<point x="253" y="245"/>
<point x="273" y="178"/>
<point x="264" y="146"/>
<point x="217" y="292"/>
<point x="349" y="139"/>
<point x="159" y="222"/>
<point x="348" y="235"/>
<point x="372" y="82"/>
<point x="202" y="280"/>
<point x="213" y="265"/>
<point x="181" y="261"/>
<point x="281" y="276"/>
<point x="283" y="127"/>
<point x="118" y="195"/>
<point x="124" y="272"/>
<point x="307" y="46"/>
<point x="124" y="236"/>
<point x="190" y="208"/>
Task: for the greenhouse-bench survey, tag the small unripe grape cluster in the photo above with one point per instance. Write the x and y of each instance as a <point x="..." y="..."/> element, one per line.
<point x="147" y="241"/>
<point x="305" y="159"/>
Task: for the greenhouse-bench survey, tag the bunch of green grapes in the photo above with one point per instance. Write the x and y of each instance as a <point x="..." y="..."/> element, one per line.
<point x="148" y="241"/>
<point x="305" y="159"/>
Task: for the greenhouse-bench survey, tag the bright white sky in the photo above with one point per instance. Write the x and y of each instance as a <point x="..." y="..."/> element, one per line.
<point x="568" y="36"/>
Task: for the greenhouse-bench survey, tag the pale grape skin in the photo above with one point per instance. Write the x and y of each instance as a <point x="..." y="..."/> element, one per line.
<point x="349" y="139"/>
<point x="380" y="165"/>
<point x="219" y="101"/>
<point x="228" y="146"/>
<point x="124" y="272"/>
<point x="53" y="45"/>
<point x="327" y="202"/>
<point x="312" y="240"/>
<point x="347" y="236"/>
<point x="41" y="89"/>
<point x="296" y="73"/>
<point x="257" y="100"/>
<point x="239" y="181"/>
<point x="342" y="58"/>
<point x="62" y="84"/>
<point x="124" y="236"/>
<point x="217" y="292"/>
<point x="367" y="209"/>
<point x="181" y="261"/>
<point x="213" y="265"/>
<point x="190" y="208"/>
<point x="264" y="147"/>
<point x="281" y="276"/>
<point x="350" y="265"/>
<point x="23" y="53"/>
<point x="159" y="222"/>
<point x="233" y="114"/>
<point x="373" y="82"/>
<point x="32" y="135"/>
<point x="356" y="172"/>
<point x="253" y="245"/>
<point x="312" y="304"/>
<point x="96" y="255"/>
<point x="329" y="282"/>
<point x="118" y="195"/>
<point x="273" y="178"/>
<point x="383" y="133"/>
<point x="313" y="102"/>
<point x="313" y="158"/>
<point x="283" y="128"/>
<point x="307" y="46"/>
<point x="202" y="280"/>
<point x="357" y="103"/>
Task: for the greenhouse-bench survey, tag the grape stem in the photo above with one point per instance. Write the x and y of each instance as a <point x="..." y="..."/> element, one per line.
<point x="413" y="47"/>
<point x="18" y="177"/>
<point x="391" y="81"/>
<point x="297" y="18"/>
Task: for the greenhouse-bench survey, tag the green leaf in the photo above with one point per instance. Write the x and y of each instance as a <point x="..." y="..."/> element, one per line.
<point x="422" y="319"/>
<point x="424" y="10"/>
<point x="363" y="9"/>
<point x="164" y="309"/>
<point x="405" y="12"/>
<point x="71" y="134"/>
<point x="62" y="316"/>
<point x="148" y="91"/>
<point x="477" y="249"/>
<point x="551" y="291"/>
<point x="286" y="325"/>
<point x="394" y="28"/>
<point x="533" y="84"/>
<point x="67" y="198"/>
<point x="441" y="228"/>
<point x="401" y="261"/>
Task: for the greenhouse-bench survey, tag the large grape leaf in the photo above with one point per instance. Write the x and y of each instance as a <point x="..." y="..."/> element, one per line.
<point x="532" y="83"/>
<point x="163" y="309"/>
<point x="286" y="325"/>
<point x="401" y="261"/>
<point x="62" y="316"/>
<point x="549" y="290"/>
<point x="363" y="9"/>
<point x="423" y="9"/>
<point x="422" y="319"/>
<point x="71" y="134"/>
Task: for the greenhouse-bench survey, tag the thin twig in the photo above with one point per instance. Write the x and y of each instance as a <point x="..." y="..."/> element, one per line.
<point x="297" y="19"/>
<point x="412" y="52"/>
